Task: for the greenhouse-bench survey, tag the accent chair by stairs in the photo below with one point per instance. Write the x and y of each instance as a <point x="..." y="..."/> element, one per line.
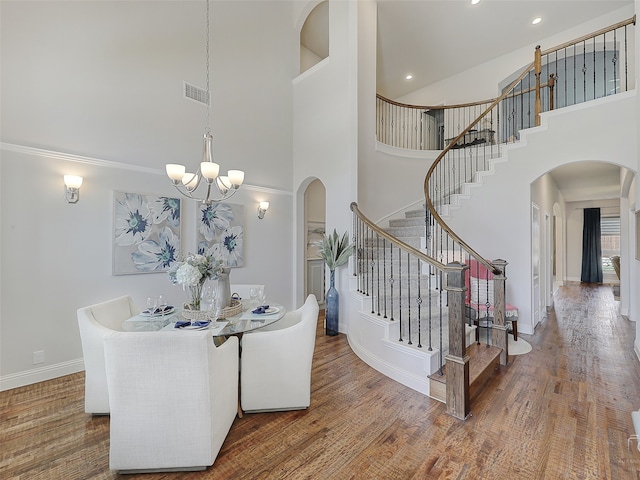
<point x="479" y="283"/>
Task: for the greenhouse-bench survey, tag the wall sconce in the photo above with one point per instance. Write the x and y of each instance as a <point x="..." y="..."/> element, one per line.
<point x="262" y="209"/>
<point x="72" y="188"/>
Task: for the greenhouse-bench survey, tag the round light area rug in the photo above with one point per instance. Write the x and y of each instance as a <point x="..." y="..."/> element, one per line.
<point x="519" y="347"/>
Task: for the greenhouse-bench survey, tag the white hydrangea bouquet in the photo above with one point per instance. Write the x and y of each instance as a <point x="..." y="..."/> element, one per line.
<point x="193" y="272"/>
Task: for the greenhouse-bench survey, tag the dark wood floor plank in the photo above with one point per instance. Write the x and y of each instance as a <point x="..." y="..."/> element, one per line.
<point x="560" y="411"/>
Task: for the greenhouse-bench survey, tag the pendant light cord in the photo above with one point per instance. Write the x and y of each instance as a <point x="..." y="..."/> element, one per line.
<point x="207" y="129"/>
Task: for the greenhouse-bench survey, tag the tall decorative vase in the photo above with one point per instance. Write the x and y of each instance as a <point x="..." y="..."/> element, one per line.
<point x="332" y="307"/>
<point x="224" y="288"/>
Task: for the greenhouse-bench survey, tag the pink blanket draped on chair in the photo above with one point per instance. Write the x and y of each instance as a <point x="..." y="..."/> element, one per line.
<point x="479" y="282"/>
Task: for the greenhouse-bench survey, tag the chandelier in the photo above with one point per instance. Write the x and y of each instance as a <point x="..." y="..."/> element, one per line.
<point x="217" y="187"/>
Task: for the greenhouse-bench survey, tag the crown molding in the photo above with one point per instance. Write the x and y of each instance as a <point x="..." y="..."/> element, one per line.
<point x="68" y="157"/>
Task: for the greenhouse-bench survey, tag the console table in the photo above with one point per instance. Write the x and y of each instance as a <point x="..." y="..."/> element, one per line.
<point x="474" y="137"/>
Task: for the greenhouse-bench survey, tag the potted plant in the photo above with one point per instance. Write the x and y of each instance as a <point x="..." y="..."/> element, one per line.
<point x="335" y="252"/>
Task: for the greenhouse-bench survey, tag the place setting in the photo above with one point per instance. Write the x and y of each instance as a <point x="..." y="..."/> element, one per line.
<point x="258" y="306"/>
<point x="157" y="307"/>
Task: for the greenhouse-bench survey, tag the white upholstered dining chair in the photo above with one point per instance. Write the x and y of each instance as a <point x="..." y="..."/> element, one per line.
<point x="275" y="371"/>
<point x="173" y="398"/>
<point x="94" y="322"/>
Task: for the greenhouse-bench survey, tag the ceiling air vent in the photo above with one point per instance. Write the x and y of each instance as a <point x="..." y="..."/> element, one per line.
<point x="195" y="93"/>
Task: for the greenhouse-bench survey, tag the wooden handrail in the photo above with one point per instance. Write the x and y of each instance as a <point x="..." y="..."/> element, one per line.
<point x="597" y="33"/>
<point x="405" y="246"/>
<point x="434" y="107"/>
<point x="453" y="142"/>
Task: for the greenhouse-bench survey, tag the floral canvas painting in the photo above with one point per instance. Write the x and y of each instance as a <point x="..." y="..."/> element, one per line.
<point x="221" y="228"/>
<point x="146" y="233"/>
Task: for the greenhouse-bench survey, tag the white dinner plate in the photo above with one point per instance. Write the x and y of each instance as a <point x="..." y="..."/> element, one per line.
<point x="191" y="327"/>
<point x="269" y="311"/>
<point x="146" y="313"/>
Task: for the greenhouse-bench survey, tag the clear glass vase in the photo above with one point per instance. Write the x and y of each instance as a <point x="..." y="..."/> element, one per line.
<point x="195" y="296"/>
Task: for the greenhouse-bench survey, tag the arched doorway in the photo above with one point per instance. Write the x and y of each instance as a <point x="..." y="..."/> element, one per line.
<point x="314" y="222"/>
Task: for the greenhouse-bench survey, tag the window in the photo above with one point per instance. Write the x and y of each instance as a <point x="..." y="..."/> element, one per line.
<point x="610" y="240"/>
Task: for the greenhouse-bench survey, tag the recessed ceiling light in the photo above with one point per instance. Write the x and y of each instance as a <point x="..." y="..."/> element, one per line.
<point x="536" y="21"/>
<point x="475" y="2"/>
<point x="408" y="77"/>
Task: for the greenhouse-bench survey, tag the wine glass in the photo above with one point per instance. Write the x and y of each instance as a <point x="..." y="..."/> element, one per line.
<point x="253" y="293"/>
<point x="152" y="305"/>
<point x="162" y="303"/>
<point x="262" y="297"/>
<point x="210" y="297"/>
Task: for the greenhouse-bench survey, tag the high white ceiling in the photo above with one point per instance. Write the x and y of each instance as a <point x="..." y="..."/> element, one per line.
<point x="587" y="181"/>
<point x="415" y="35"/>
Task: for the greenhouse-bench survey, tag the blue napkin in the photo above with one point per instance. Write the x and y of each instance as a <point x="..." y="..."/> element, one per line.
<point x="261" y="309"/>
<point x="158" y="311"/>
<point x="187" y="323"/>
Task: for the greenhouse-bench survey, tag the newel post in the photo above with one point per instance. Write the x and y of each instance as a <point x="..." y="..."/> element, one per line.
<point x="538" y="71"/>
<point x="457" y="360"/>
<point x="499" y="334"/>
<point x="551" y="84"/>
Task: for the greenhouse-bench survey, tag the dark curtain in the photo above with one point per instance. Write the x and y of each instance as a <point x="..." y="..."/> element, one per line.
<point x="591" y="247"/>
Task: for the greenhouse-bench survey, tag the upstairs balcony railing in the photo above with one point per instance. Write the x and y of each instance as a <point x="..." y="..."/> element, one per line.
<point x="590" y="67"/>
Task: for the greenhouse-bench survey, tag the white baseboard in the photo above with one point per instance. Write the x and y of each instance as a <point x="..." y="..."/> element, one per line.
<point x="41" y="374"/>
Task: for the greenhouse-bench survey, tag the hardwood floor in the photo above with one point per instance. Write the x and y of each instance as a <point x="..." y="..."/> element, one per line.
<point x="561" y="411"/>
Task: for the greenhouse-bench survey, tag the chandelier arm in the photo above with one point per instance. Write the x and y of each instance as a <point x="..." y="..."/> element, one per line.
<point x="207" y="200"/>
<point x="182" y="192"/>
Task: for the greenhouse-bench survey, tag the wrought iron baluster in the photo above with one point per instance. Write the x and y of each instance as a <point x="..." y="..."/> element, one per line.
<point x="372" y="265"/>
<point x="391" y="280"/>
<point x="419" y="301"/>
<point x="575" y="62"/>
<point x="626" y="61"/>
<point x="604" y="64"/>
<point x="370" y="290"/>
<point x="409" y="297"/>
<point x="594" y="68"/>
<point x="384" y="269"/>
<point x="400" y="290"/>
<point x="487" y="307"/>
<point x="378" y="273"/>
<point x="441" y="360"/>
<point x="614" y="60"/>
<point x="566" y="98"/>
<point x="584" y="71"/>
<point x="429" y="321"/>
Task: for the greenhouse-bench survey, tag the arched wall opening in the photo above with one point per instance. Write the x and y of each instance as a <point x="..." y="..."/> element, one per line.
<point x="310" y="218"/>
<point x="314" y="37"/>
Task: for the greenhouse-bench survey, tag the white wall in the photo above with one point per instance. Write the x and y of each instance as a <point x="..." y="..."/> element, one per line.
<point x="104" y="80"/>
<point x="545" y="194"/>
